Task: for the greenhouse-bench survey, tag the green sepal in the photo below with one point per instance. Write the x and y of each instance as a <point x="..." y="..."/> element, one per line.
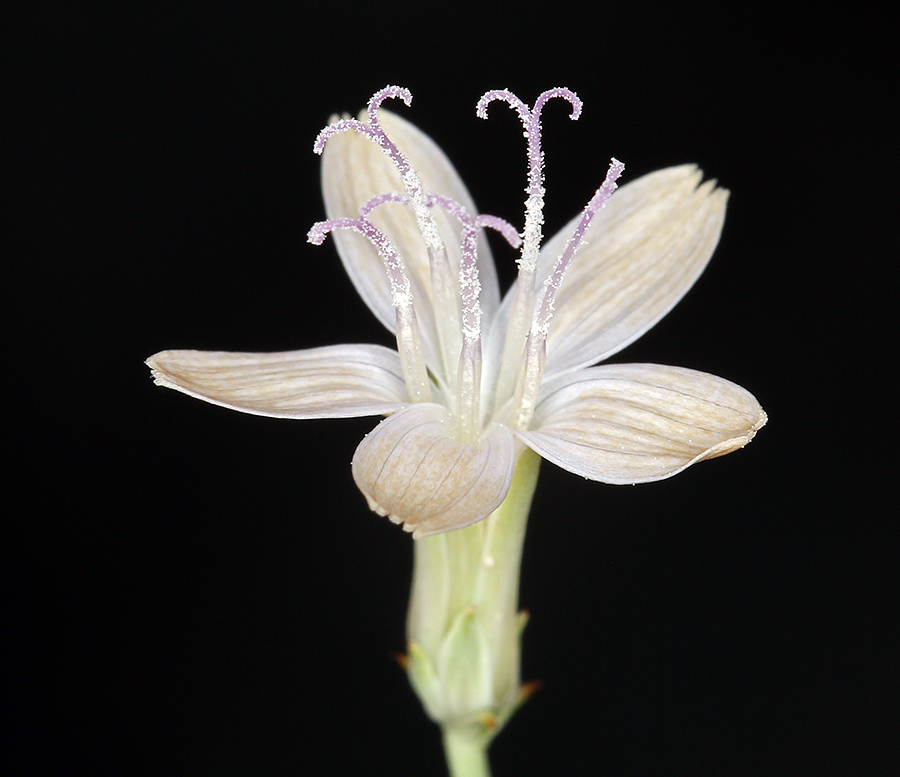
<point x="424" y="679"/>
<point x="465" y="665"/>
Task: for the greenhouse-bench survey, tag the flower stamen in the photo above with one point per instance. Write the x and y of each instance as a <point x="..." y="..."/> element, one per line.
<point x="442" y="286"/>
<point x="529" y="379"/>
<point x="541" y="324"/>
<point x="402" y="298"/>
<point x="531" y="123"/>
<point x="468" y="380"/>
<point x="522" y="313"/>
<point x="409" y="345"/>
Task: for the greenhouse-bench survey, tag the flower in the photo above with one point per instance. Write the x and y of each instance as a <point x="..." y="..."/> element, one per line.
<point x="476" y="377"/>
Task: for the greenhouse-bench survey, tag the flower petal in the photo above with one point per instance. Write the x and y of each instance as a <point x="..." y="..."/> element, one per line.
<point x="411" y="470"/>
<point x="337" y="381"/>
<point x="632" y="423"/>
<point x="641" y="255"/>
<point x="354" y="169"/>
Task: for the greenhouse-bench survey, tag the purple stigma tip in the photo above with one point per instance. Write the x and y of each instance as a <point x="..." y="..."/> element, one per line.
<point x="317" y="233"/>
<point x="398" y="92"/>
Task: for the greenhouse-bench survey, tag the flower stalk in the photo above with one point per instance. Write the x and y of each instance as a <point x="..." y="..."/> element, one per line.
<point x="466" y="757"/>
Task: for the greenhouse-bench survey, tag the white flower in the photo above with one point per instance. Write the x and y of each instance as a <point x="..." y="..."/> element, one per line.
<point x="476" y="377"/>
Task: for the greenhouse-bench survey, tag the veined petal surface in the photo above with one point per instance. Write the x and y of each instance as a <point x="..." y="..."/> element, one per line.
<point x="641" y="255"/>
<point x="633" y="423"/>
<point x="354" y="170"/>
<point x="410" y="469"/>
<point x="337" y="381"/>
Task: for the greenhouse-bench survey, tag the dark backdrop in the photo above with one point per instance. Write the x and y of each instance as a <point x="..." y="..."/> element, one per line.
<point x="195" y="591"/>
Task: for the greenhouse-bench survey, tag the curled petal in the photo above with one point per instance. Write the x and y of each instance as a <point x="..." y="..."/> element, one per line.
<point x="337" y="381"/>
<point x="410" y="469"/>
<point x="633" y="423"/>
<point x="640" y="256"/>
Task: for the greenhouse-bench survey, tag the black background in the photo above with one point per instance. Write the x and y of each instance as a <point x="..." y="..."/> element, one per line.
<point x="194" y="591"/>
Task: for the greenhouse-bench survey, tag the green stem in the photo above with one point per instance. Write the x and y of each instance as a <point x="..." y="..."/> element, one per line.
<point x="466" y="756"/>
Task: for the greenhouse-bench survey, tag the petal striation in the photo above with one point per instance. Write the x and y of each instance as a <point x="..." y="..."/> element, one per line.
<point x="411" y="469"/>
<point x="640" y="256"/>
<point x="634" y="423"/>
<point x="338" y="381"/>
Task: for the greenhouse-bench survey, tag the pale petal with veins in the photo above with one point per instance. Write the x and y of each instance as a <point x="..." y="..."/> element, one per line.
<point x="641" y="255"/>
<point x="336" y="381"/>
<point x="410" y="468"/>
<point x="632" y="423"/>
